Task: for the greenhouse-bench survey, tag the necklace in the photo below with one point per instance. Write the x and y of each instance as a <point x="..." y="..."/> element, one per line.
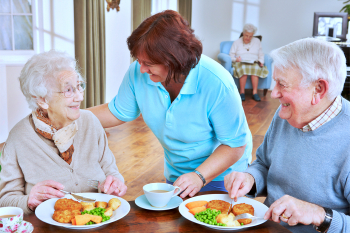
<point x="245" y="47"/>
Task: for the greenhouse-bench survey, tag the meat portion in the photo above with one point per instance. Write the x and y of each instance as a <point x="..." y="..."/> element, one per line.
<point x="67" y="204"/>
<point x="223" y="206"/>
<point x="242" y="209"/>
<point x="65" y="216"/>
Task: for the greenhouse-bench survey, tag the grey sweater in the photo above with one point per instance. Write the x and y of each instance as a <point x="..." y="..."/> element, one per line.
<point x="29" y="158"/>
<point x="312" y="166"/>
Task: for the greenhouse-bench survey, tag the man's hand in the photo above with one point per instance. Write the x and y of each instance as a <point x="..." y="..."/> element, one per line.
<point x="43" y="191"/>
<point x="295" y="211"/>
<point x="114" y="186"/>
<point x="261" y="64"/>
<point x="190" y="184"/>
<point x="238" y="184"/>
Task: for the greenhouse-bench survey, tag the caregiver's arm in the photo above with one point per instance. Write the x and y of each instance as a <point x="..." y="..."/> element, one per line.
<point x="105" y="116"/>
<point x="219" y="161"/>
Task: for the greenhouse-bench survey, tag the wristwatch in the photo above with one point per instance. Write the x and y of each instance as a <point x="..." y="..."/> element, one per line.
<point x="200" y="176"/>
<point x="326" y="222"/>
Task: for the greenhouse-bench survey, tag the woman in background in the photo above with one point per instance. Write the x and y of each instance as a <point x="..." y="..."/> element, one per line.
<point x="248" y="59"/>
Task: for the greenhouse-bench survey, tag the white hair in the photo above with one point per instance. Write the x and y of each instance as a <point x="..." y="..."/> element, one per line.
<point x="315" y="59"/>
<point x="40" y="71"/>
<point x="249" y="28"/>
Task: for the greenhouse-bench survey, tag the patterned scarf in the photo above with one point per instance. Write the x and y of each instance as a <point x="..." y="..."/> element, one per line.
<point x="63" y="138"/>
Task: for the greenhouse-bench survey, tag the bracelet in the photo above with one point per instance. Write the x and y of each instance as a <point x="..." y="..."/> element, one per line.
<point x="201" y="177"/>
<point x="326" y="222"/>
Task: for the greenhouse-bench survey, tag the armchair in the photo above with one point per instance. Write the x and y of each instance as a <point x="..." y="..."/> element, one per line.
<point x="225" y="60"/>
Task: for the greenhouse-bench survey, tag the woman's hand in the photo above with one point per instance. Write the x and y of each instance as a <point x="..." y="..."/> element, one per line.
<point x="190" y="184"/>
<point x="238" y="59"/>
<point x="261" y="64"/>
<point x="295" y="211"/>
<point x="238" y="184"/>
<point x="114" y="186"/>
<point x="43" y="191"/>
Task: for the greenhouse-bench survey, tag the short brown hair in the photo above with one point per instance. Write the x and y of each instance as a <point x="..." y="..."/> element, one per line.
<point x="167" y="39"/>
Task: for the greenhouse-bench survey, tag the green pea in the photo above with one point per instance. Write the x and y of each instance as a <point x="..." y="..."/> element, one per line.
<point x="242" y="224"/>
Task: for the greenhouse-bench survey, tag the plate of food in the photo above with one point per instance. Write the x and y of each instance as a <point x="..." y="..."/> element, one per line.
<point x="211" y="211"/>
<point x="69" y="213"/>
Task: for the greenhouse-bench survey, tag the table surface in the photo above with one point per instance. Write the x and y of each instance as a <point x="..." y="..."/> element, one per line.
<point x="141" y="220"/>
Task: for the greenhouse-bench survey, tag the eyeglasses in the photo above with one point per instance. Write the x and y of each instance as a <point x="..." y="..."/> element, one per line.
<point x="70" y="90"/>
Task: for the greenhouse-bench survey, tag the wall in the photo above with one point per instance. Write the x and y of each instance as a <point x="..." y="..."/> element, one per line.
<point x="279" y="21"/>
<point x="118" y="28"/>
<point x="53" y="30"/>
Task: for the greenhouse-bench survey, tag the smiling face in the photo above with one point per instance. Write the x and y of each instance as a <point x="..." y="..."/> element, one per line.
<point x="157" y="72"/>
<point x="247" y="37"/>
<point x="296" y="101"/>
<point x="61" y="110"/>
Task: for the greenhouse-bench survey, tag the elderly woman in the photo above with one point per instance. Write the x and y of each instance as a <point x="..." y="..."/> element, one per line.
<point x="248" y="59"/>
<point x="188" y="100"/>
<point x="57" y="146"/>
<point x="303" y="164"/>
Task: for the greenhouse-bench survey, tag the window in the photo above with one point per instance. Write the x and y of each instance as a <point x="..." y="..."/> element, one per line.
<point x="16" y="24"/>
<point x="161" y="5"/>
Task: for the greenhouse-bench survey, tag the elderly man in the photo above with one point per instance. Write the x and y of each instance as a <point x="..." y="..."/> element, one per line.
<point x="303" y="164"/>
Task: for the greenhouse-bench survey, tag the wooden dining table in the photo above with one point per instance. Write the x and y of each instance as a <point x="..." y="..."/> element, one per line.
<point x="142" y="220"/>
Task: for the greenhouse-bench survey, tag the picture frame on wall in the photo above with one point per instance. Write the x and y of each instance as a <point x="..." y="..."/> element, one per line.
<point x="326" y="24"/>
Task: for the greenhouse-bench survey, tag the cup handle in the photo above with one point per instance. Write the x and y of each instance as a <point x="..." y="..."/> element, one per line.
<point x="177" y="193"/>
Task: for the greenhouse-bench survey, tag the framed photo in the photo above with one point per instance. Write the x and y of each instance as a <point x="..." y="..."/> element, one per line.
<point x="328" y="23"/>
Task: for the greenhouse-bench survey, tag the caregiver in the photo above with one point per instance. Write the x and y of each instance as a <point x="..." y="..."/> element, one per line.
<point x="189" y="101"/>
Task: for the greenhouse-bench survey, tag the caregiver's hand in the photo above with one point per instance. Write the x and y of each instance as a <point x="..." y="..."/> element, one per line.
<point x="114" y="186"/>
<point x="295" y="211"/>
<point x="238" y="184"/>
<point x="43" y="191"/>
<point x="190" y="184"/>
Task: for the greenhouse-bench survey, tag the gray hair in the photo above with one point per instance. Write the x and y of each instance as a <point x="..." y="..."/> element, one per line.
<point x="249" y="28"/>
<point x="40" y="71"/>
<point x="315" y="59"/>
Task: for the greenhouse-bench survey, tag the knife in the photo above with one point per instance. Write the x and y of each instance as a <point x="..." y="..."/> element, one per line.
<point x="79" y="198"/>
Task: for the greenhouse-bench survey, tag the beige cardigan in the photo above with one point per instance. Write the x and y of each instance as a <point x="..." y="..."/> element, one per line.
<point x="255" y="52"/>
<point x="29" y="158"/>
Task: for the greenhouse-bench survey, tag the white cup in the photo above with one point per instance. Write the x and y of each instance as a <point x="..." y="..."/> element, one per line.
<point x="160" y="199"/>
<point x="9" y="224"/>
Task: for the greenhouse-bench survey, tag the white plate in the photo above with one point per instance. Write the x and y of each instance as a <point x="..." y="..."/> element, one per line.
<point x="142" y="202"/>
<point x="46" y="209"/>
<point x="259" y="210"/>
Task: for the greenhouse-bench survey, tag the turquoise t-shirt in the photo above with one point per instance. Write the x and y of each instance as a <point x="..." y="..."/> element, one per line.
<point x="206" y="113"/>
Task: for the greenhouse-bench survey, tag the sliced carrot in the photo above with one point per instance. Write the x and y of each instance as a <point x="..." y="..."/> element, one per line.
<point x="82" y="219"/>
<point x="96" y="219"/>
<point x="194" y="204"/>
<point x="74" y="222"/>
<point x="197" y="210"/>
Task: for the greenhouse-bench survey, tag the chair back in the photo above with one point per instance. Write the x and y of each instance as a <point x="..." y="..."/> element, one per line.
<point x="225" y="46"/>
<point x="259" y="37"/>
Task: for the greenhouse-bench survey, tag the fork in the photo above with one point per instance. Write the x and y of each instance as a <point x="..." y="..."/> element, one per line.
<point x="94" y="184"/>
<point x="242" y="216"/>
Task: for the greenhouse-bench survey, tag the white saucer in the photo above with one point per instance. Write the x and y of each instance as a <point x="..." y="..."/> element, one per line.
<point x="142" y="202"/>
<point x="28" y="228"/>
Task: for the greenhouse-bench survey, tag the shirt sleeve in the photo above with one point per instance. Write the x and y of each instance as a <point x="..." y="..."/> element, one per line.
<point x="228" y="118"/>
<point x="106" y="158"/>
<point x="124" y="105"/>
<point x="341" y="221"/>
<point x="12" y="181"/>
<point x="260" y="167"/>
<point x="233" y="51"/>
